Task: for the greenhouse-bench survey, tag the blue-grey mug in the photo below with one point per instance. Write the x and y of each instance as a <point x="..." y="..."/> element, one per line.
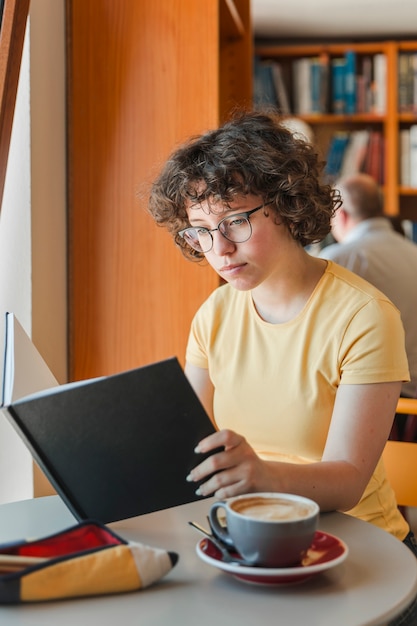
<point x="267" y="529"/>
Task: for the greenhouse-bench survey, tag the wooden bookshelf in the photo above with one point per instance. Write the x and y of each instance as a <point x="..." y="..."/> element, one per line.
<point x="399" y="200"/>
<point x="142" y="77"/>
<point x="13" y="18"/>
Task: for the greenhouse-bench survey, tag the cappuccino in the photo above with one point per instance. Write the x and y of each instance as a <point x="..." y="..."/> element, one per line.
<point x="272" y="509"/>
<point x="267" y="529"/>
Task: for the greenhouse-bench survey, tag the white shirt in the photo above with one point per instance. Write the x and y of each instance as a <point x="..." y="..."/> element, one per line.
<point x="387" y="260"/>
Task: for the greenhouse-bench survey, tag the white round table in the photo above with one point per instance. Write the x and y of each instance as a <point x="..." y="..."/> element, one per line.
<point x="376" y="582"/>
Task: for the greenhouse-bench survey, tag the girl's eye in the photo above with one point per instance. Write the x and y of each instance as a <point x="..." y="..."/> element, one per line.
<point x="237" y="221"/>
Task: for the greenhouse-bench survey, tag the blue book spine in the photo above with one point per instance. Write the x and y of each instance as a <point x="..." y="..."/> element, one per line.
<point x="316" y="86"/>
<point x="264" y="88"/>
<point x="414" y="231"/>
<point x="350" y="82"/>
<point x="338" y="85"/>
<point x="335" y="155"/>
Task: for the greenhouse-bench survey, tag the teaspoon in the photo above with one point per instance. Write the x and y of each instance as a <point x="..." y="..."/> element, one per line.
<point x="227" y="557"/>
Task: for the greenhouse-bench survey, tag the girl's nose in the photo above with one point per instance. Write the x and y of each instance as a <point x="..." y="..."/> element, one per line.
<point x="221" y="245"/>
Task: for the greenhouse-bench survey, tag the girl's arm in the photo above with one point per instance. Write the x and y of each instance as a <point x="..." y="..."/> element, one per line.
<point x="200" y="381"/>
<point x="361" y="422"/>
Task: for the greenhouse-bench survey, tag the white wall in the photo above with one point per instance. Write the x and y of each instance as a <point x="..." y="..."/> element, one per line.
<point x="15" y="275"/>
<point x="334" y="18"/>
<point x="32" y="219"/>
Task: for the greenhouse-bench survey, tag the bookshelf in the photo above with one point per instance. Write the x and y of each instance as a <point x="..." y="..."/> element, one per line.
<point x="142" y="77"/>
<point x="377" y="109"/>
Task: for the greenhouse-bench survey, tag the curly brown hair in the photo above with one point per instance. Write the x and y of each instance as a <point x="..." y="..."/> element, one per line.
<point x="253" y="153"/>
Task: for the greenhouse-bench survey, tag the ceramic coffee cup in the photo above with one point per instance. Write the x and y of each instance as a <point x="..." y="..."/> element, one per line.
<point x="267" y="529"/>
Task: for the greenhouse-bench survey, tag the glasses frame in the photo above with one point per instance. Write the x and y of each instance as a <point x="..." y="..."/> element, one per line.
<point x="245" y="214"/>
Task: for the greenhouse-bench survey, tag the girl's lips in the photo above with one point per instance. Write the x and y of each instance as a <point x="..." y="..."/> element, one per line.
<point x="227" y="269"/>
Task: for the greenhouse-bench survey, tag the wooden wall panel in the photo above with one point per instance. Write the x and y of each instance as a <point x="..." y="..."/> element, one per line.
<point x="142" y="76"/>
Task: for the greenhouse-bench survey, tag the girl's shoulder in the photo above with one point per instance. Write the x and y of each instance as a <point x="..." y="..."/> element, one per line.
<point x="340" y="279"/>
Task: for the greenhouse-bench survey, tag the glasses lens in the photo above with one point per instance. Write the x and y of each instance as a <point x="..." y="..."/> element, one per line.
<point x="199" y="239"/>
<point x="236" y="228"/>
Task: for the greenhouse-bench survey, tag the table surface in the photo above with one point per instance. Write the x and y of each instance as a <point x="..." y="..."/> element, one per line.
<point x="376" y="581"/>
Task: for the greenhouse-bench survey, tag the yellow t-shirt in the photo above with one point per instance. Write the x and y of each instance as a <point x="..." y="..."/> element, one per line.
<point x="275" y="384"/>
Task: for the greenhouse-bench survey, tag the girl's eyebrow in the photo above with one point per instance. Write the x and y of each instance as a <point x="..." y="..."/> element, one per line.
<point x="200" y="220"/>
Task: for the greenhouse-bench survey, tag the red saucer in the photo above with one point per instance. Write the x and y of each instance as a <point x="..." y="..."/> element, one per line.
<point x="325" y="552"/>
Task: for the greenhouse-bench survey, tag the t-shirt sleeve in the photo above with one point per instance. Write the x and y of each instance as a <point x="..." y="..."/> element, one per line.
<point x="373" y="346"/>
<point x="196" y="352"/>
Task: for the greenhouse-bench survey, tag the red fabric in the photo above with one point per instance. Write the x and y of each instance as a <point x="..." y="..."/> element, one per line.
<point x="76" y="539"/>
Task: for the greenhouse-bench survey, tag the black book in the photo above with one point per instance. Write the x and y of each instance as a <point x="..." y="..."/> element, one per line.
<point x="113" y="447"/>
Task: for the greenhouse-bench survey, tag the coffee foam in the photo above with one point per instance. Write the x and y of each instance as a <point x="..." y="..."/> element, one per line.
<point x="272" y="509"/>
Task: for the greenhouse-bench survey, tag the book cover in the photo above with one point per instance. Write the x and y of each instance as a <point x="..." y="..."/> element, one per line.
<point x="117" y="446"/>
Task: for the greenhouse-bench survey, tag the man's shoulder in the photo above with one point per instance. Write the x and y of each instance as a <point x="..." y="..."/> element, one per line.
<point x="339" y="251"/>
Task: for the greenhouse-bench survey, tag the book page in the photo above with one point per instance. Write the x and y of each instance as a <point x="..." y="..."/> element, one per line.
<point x="25" y="371"/>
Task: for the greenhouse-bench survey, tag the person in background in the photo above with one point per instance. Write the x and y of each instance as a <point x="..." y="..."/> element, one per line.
<point x="369" y="245"/>
<point x="298" y="361"/>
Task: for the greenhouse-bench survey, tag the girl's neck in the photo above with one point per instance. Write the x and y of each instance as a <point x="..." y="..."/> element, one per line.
<point x="281" y="299"/>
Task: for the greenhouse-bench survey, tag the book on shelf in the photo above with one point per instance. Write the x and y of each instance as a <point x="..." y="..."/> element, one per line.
<point x="350" y="82"/>
<point x="311" y="85"/>
<point x="380" y="84"/>
<point x="302" y="95"/>
<point x="113" y="447"/>
<point x="335" y="153"/>
<point x="281" y="91"/>
<point x="355" y="153"/>
<point x="374" y="160"/>
<point x="264" y="89"/>
<point x="338" y="85"/>
<point x="405" y="157"/>
<point x="270" y="89"/>
<point x="408" y="156"/>
<point x="407" y="82"/>
<point x="364" y="86"/>
<point x="319" y="77"/>
<point x="413" y="155"/>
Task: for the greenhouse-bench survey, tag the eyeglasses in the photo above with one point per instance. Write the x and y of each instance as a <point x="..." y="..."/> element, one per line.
<point x="235" y="228"/>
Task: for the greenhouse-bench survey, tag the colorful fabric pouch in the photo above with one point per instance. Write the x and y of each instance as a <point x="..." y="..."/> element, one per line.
<point x="86" y="559"/>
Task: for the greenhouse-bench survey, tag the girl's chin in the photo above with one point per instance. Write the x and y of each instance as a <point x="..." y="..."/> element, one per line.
<point x="239" y="284"/>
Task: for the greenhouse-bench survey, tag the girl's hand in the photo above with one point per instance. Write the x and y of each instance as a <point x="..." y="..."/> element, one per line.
<point x="235" y="470"/>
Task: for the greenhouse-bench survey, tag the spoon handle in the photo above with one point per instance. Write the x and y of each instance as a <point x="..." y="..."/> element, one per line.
<point x="227" y="557"/>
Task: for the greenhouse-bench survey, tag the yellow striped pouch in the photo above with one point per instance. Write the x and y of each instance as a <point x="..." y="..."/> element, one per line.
<point x="86" y="559"/>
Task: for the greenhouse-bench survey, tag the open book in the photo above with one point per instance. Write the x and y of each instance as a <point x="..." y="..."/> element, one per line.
<point x="113" y="447"/>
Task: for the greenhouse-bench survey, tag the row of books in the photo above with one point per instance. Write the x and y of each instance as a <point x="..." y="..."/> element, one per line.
<point x="356" y="151"/>
<point x="347" y="84"/>
<point x="407" y="82"/>
<point x="408" y="156"/>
